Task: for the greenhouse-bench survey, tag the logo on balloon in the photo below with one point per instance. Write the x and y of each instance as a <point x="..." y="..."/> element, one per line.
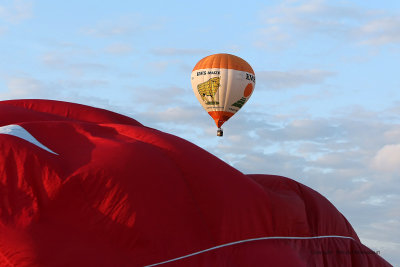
<point x="208" y="90"/>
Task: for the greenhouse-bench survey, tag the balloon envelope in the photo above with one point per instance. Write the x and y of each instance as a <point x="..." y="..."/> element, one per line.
<point x="82" y="186"/>
<point x="222" y="83"/>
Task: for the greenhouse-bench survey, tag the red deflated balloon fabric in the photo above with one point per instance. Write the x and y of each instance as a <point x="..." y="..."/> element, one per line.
<point x="81" y="186"/>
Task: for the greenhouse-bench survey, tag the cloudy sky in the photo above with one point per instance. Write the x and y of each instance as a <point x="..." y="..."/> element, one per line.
<point x="325" y="111"/>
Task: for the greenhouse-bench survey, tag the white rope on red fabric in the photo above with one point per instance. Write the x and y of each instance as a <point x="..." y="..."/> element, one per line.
<point x="245" y="241"/>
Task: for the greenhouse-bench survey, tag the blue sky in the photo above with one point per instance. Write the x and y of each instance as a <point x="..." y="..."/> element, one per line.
<point x="325" y="110"/>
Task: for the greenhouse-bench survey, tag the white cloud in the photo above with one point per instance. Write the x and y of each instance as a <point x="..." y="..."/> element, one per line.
<point x="123" y="26"/>
<point x="387" y="159"/>
<point x="292" y="21"/>
<point x="393" y="135"/>
<point x="65" y="62"/>
<point x="159" y="66"/>
<point x="175" y="114"/>
<point x="22" y="87"/>
<point x="26" y="87"/>
<point x="119" y="49"/>
<point x="292" y="79"/>
<point x="159" y="99"/>
<point x="381" y="31"/>
<point x="3" y="30"/>
<point x="317" y="130"/>
<point x="110" y="30"/>
<point x="53" y="60"/>
<point x="16" y="11"/>
<point x="179" y="51"/>
<point x="81" y="68"/>
<point x="82" y="83"/>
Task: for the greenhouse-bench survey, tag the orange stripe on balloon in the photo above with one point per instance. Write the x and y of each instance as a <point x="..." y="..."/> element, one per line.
<point x="220" y="117"/>
<point x="224" y="61"/>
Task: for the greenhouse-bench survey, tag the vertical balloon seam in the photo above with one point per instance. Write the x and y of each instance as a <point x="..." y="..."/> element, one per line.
<point x="228" y="92"/>
<point x="217" y="64"/>
<point x="219" y="61"/>
<point x="219" y="87"/>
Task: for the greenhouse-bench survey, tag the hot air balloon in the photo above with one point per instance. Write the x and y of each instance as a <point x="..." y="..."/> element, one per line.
<point x="222" y="83"/>
<point x="82" y="186"/>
